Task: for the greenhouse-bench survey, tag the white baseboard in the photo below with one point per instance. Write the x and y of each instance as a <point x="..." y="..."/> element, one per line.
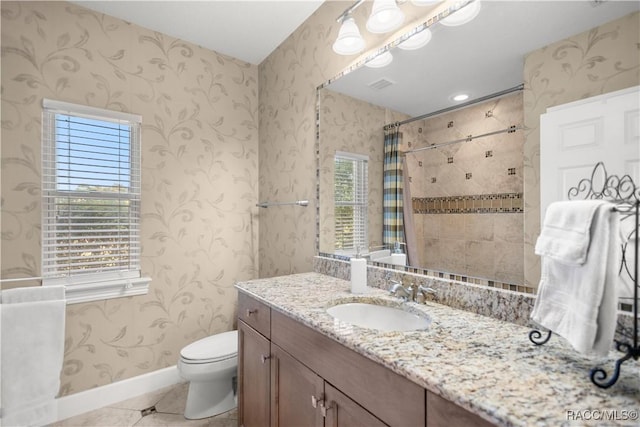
<point x="99" y="397"/>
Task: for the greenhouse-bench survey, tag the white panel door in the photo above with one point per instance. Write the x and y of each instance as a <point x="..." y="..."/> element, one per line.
<point x="575" y="136"/>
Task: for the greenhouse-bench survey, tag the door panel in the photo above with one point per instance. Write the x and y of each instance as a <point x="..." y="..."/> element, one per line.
<point x="575" y="136"/>
<point x="253" y="377"/>
<point x="295" y="392"/>
<point x="344" y="412"/>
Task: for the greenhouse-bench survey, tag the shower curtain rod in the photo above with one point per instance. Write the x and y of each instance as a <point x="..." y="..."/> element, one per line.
<point x="510" y="129"/>
<point x="459" y="106"/>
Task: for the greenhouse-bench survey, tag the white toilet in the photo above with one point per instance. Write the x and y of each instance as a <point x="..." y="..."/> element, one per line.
<point x="210" y="365"/>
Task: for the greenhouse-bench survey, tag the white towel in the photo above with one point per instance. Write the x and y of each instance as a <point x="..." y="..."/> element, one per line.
<point x="32" y="327"/>
<point x="579" y="301"/>
<point x="566" y="231"/>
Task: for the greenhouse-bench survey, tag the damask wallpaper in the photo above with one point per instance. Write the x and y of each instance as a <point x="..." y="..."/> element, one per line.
<point x="199" y="170"/>
<point x="602" y="60"/>
<point x="352" y="126"/>
<point x="288" y="81"/>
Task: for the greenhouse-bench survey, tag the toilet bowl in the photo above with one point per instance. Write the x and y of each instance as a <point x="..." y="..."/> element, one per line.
<point x="210" y="366"/>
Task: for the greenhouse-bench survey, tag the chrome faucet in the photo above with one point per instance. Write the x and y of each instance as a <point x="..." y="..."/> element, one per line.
<point x="401" y="292"/>
<point x="424" y="291"/>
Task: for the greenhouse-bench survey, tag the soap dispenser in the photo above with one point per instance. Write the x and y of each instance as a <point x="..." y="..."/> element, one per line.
<point x="358" y="274"/>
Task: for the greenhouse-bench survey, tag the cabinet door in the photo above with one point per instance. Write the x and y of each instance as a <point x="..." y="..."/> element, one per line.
<point x="344" y="412"/>
<point x="254" y="374"/>
<point x="443" y="413"/>
<point x="295" y="392"/>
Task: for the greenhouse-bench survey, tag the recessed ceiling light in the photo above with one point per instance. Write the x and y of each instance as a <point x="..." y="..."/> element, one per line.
<point x="461" y="97"/>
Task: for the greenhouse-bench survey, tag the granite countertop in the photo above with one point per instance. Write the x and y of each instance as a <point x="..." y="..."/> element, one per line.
<point x="485" y="365"/>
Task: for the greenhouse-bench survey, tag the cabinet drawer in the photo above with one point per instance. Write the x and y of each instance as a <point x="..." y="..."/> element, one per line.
<point x="255" y="314"/>
<point x="392" y="398"/>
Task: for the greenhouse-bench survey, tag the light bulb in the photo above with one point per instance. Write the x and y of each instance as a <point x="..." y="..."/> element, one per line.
<point x="463" y="15"/>
<point x="349" y="41"/>
<point x="417" y="40"/>
<point x="385" y="16"/>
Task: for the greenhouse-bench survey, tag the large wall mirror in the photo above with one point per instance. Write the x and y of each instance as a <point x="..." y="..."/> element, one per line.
<point x="460" y="160"/>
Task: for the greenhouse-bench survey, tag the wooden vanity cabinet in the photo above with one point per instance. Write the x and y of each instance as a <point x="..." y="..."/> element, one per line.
<point x="254" y="377"/>
<point x="295" y="392"/>
<point x="291" y="375"/>
<point x="254" y="362"/>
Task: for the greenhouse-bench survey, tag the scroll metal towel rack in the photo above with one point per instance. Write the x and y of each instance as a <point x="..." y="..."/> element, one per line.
<point x="625" y="194"/>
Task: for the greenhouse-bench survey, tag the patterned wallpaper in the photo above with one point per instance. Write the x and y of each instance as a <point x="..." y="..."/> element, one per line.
<point x="288" y="81"/>
<point x="199" y="167"/>
<point x="602" y="60"/>
<point x="353" y="126"/>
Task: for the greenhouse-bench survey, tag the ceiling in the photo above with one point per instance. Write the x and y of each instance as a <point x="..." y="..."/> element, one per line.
<point x="482" y="57"/>
<point x="244" y="29"/>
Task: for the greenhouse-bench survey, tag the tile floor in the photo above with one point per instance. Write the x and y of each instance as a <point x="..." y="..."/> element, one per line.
<point x="169" y="409"/>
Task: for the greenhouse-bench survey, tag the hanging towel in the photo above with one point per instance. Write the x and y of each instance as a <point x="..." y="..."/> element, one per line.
<point x="577" y="294"/>
<point x="32" y="327"/>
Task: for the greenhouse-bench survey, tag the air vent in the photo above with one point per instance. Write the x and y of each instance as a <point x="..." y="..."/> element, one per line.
<point x="381" y="84"/>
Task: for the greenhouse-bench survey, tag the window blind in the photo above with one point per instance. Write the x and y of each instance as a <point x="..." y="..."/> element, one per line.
<point x="91" y="194"/>
<point x="351" y="204"/>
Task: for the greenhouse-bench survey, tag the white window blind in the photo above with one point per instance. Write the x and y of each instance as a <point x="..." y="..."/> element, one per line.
<point x="351" y="204"/>
<point x="91" y="201"/>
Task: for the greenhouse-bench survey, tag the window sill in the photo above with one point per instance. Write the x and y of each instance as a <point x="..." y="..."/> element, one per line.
<point x="116" y="288"/>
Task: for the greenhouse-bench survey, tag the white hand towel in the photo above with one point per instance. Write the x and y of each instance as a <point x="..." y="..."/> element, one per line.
<point x="565" y="234"/>
<point x="579" y="301"/>
<point x="32" y="327"/>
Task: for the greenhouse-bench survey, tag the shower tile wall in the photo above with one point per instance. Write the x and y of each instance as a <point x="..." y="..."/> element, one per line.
<point x="467" y="197"/>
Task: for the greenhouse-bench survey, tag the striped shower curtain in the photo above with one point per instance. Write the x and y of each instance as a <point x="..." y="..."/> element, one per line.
<point x="393" y="223"/>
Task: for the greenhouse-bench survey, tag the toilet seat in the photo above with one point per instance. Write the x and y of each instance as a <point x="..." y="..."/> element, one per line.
<point x="215" y="348"/>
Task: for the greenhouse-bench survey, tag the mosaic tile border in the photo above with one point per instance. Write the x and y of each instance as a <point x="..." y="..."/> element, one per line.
<point x="444" y="275"/>
<point x="472" y="204"/>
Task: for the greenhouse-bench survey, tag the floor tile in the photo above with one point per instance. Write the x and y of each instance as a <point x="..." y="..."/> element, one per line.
<point x="174" y="401"/>
<point x="146" y="400"/>
<point x="104" y="417"/>
<point x="178" y="420"/>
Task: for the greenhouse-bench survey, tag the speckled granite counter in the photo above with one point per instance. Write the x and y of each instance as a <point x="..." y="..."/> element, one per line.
<point x="482" y="364"/>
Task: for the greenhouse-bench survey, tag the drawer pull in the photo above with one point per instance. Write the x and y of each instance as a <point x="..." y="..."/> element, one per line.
<point x="314" y="401"/>
<point x="265" y="357"/>
<point x="324" y="407"/>
<point x="251" y="311"/>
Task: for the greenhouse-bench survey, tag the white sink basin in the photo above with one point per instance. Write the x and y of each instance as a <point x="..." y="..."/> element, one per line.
<point x="379" y="317"/>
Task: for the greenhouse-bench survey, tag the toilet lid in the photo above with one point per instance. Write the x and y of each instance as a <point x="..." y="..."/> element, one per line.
<point x="216" y="347"/>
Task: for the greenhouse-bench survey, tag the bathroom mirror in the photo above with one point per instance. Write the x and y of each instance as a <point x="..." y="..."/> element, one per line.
<point x="467" y="196"/>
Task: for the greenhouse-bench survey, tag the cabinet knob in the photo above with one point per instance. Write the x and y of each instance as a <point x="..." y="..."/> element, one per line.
<point x="251" y="311"/>
<point x="265" y="357"/>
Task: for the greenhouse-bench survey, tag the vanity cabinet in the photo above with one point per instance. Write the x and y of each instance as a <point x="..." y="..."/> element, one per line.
<point x="292" y="375"/>
<point x="254" y="362"/>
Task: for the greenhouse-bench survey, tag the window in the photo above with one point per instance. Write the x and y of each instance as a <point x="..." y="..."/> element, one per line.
<point x="91" y="202"/>
<point x="350" y="194"/>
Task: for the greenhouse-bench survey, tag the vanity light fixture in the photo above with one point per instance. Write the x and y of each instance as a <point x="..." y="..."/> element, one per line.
<point x="385" y="16"/>
<point x="382" y="60"/>
<point x="463" y="15"/>
<point x="417" y="40"/>
<point x="349" y="41"/>
<point x="425" y="2"/>
<point x="461" y="97"/>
